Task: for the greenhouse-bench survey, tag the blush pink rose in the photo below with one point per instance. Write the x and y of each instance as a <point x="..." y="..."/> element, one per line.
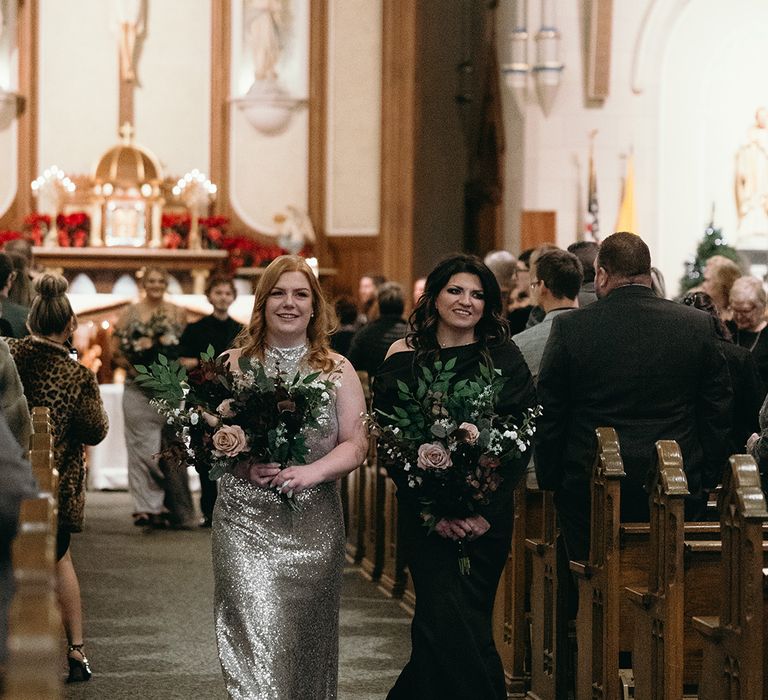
<point x="471" y="433"/>
<point x="432" y="455"/>
<point x="225" y="409"/>
<point x="210" y="419"/>
<point x="230" y="439"/>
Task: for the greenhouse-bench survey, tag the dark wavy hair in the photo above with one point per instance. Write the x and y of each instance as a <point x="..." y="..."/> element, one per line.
<point x="491" y="329"/>
<point x="704" y="302"/>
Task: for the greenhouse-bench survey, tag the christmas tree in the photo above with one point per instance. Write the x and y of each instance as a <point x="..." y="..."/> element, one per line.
<point x="712" y="244"/>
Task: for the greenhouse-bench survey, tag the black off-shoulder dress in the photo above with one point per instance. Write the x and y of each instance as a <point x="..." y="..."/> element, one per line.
<point x="453" y="656"/>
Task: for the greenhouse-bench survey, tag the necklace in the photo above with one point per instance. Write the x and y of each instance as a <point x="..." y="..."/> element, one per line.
<point x="754" y="342"/>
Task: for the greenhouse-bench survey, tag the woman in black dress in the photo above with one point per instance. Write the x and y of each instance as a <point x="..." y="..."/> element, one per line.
<point x="453" y="655"/>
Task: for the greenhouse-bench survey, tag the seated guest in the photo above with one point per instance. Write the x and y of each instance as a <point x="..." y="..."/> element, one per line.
<point x="418" y="289"/>
<point x="346" y="313"/>
<point x="220" y="331"/>
<point x="555" y="289"/>
<point x="366" y="297"/>
<point x="14" y="314"/>
<point x="645" y="366"/>
<point x="519" y="308"/>
<point x="503" y="265"/>
<point x="586" y="252"/>
<point x="22" y="289"/>
<point x="748" y="391"/>
<point x="370" y="344"/>
<point x="748" y="301"/>
<point x="719" y="275"/>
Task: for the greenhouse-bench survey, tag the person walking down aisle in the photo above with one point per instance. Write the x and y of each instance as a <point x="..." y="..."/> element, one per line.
<point x="278" y="571"/>
<point x="144" y="330"/>
<point x="218" y="330"/>
<point x="459" y="317"/>
<point x="51" y="378"/>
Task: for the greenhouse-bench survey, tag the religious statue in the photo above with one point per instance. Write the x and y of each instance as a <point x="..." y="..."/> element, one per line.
<point x="264" y="34"/>
<point x="751" y="184"/>
<point x="294" y="229"/>
<point x="129" y="17"/>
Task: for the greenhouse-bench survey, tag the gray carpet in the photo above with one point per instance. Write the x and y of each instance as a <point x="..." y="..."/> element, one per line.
<point x="149" y="623"/>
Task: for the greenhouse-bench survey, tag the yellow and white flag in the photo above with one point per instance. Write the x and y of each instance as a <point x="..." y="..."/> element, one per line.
<point x="627" y="218"/>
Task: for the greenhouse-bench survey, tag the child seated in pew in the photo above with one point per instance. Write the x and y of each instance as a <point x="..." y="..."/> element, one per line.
<point x="16" y="483"/>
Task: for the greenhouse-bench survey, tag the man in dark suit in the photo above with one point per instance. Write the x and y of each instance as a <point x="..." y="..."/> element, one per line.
<point x="645" y="366"/>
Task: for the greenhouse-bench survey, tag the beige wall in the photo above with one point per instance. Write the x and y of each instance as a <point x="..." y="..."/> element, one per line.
<point x="79" y="84"/>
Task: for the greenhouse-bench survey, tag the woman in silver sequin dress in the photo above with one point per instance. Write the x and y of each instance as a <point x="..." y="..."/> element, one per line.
<point x="277" y="571"/>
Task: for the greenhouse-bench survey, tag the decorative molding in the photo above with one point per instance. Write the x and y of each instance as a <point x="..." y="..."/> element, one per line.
<point x="648" y="54"/>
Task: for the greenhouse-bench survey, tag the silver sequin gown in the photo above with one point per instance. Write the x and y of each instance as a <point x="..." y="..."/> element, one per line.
<point x="278" y="578"/>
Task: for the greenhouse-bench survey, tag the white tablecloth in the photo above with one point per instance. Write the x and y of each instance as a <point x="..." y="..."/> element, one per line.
<point x="108" y="461"/>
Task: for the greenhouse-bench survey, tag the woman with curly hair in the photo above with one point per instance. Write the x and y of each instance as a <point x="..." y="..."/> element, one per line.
<point x="278" y="572"/>
<point x="459" y="317"/>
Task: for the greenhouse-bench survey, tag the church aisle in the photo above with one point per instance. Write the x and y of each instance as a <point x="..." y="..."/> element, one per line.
<point x="149" y="622"/>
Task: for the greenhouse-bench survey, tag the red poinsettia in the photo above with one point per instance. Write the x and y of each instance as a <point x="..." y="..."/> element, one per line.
<point x="73" y="229"/>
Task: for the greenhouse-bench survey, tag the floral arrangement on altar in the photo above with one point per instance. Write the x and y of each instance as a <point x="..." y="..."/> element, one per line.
<point x="448" y="442"/>
<point x="73" y="229"/>
<point x="223" y="417"/>
<point x="244" y="251"/>
<point x="140" y="341"/>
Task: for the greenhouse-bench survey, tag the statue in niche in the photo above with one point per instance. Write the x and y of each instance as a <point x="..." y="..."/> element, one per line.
<point x="751" y="184"/>
<point x="264" y="35"/>
<point x="294" y="229"/>
<point x="129" y="17"/>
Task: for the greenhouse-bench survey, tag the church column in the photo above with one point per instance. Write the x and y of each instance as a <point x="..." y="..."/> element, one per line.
<point x="27" y="112"/>
<point x="398" y="140"/>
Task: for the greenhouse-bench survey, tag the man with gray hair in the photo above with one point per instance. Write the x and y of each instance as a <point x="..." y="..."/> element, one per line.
<point x="503" y="265"/>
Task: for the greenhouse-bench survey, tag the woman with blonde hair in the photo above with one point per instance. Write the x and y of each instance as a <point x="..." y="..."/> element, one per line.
<point x="146" y="329"/>
<point x="51" y="378"/>
<point x="278" y="572"/>
<point x="719" y="275"/>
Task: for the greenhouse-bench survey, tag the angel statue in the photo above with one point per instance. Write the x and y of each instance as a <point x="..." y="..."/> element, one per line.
<point x="264" y="33"/>
<point x="751" y="183"/>
<point x="294" y="229"/>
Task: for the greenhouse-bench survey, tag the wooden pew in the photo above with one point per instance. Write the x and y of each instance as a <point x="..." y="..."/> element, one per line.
<point x="619" y="558"/>
<point x="597" y="621"/>
<point x="548" y="610"/>
<point x="374" y="479"/>
<point x="734" y="663"/>
<point x="510" y="613"/>
<point x="354" y="490"/>
<point x="657" y="651"/>
<point x="35" y="621"/>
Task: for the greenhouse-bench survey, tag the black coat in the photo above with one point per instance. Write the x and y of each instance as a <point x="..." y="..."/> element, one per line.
<point x="645" y="366"/>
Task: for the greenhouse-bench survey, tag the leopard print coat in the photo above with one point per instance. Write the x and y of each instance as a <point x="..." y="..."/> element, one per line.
<point x="51" y="378"/>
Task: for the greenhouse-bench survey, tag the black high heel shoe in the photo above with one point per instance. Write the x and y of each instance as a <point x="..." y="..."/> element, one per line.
<point x="79" y="669"/>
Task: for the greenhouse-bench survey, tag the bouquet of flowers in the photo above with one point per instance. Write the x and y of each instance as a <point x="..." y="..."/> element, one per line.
<point x="140" y="340"/>
<point x="223" y="417"/>
<point x="449" y="442"/>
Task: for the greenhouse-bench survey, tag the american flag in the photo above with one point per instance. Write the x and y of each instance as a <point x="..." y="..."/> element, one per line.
<point x="591" y="221"/>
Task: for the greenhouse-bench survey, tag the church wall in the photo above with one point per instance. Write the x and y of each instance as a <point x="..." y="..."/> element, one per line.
<point x="685" y="80"/>
<point x="556" y="147"/>
<point x="78" y="108"/>
<point x="78" y="84"/>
